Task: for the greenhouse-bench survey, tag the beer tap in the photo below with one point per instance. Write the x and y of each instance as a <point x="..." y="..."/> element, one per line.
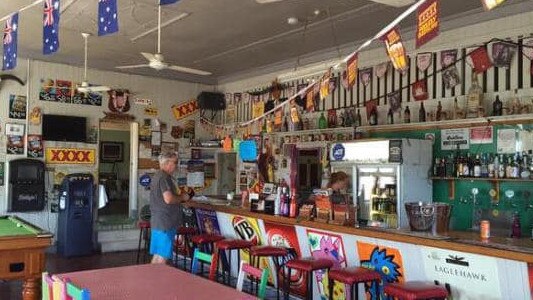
<point x="510" y="194"/>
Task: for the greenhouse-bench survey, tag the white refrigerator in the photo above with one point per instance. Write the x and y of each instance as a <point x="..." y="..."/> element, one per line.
<point x="385" y="174"/>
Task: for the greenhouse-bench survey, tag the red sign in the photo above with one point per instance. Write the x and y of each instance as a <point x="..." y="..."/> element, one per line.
<point x="395" y="49"/>
<point x="428" y="22"/>
<point x="351" y="71"/>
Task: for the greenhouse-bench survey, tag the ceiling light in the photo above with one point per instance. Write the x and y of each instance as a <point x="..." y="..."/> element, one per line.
<point x="292" y="20"/>
<point x="164" y="24"/>
<point x="267" y="1"/>
<point x="395" y="3"/>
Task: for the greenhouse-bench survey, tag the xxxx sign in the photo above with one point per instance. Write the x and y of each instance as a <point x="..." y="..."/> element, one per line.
<point x="70" y="156"/>
<point x="184" y="109"/>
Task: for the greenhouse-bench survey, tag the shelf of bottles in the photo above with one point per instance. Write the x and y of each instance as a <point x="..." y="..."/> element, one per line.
<point x="384" y="206"/>
<point x="315" y="135"/>
<point x="484" y="167"/>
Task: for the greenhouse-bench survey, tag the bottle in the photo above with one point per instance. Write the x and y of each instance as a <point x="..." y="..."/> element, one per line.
<point x="436" y="167"/>
<point x="491" y="166"/>
<point x="467" y="163"/>
<point x="358" y="121"/>
<point x="459" y="166"/>
<point x="509" y="168"/>
<point x="373" y="120"/>
<point x="422" y="113"/>
<point x="407" y="115"/>
<point x="474" y="98"/>
<point x="524" y="169"/>
<point x="438" y="115"/>
<point x="497" y="106"/>
<point x="285" y="126"/>
<point x="515" y="171"/>
<point x="449" y="171"/>
<point x="322" y="122"/>
<point x="516" y="228"/>
<point x="292" y="209"/>
<point x="284" y="202"/>
<point x="456" y="109"/>
<point x="390" y="117"/>
<point x="484" y="166"/>
<point x="501" y="167"/>
<point x="477" y="167"/>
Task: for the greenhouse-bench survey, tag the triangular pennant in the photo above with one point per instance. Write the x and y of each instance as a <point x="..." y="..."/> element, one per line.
<point x="381" y="69"/>
<point x="428" y="22"/>
<point x="365" y="76"/>
<point x="479" y="60"/>
<point x="450" y="77"/>
<point x="351" y="69"/>
<point x="424" y="60"/>
<point x="502" y="54"/>
<point x="395" y="49"/>
<point x="420" y="90"/>
<point x="448" y="58"/>
<point x="527" y="48"/>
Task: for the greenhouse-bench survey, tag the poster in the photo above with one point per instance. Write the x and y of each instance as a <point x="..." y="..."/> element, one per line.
<point x="35" y="146"/>
<point x="15" y="144"/>
<point x="65" y="91"/>
<point x="285" y="236"/>
<point x="17" y="107"/>
<point x="385" y="260"/>
<point x="506" y="141"/>
<point x="428" y="22"/>
<point x="90" y="98"/>
<point x="351" y="70"/>
<point x="481" y="135"/>
<point x="462" y="271"/>
<point x="395" y="49"/>
<point x="328" y="246"/>
<point x="451" y="138"/>
<point x="207" y="221"/>
<point x="70" y="156"/>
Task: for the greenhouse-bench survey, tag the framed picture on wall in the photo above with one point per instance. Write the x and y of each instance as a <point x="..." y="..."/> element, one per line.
<point x="111" y="151"/>
<point x="156" y="138"/>
<point x="14" y="129"/>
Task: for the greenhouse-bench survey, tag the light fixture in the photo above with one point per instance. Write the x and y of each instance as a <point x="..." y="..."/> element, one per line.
<point x="267" y="1"/>
<point x="307" y="72"/>
<point x="163" y="25"/>
<point x="395" y="3"/>
<point x="292" y="20"/>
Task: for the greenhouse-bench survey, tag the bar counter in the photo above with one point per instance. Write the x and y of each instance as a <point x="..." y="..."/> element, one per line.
<point x="470" y="242"/>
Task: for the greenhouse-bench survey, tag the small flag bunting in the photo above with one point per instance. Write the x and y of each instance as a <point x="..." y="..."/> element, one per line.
<point x="51" y="26"/>
<point x="10" y="42"/>
<point x="107" y="17"/>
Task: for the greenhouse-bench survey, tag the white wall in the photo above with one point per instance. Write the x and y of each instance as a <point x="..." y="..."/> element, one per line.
<point x="164" y="94"/>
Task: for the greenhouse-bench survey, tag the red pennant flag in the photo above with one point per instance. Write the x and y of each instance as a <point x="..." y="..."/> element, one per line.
<point x="395" y="49"/>
<point x="479" y="60"/>
<point x="428" y="22"/>
<point x="420" y="90"/>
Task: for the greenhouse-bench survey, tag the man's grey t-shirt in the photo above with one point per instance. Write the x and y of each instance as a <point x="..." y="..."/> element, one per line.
<point x="164" y="216"/>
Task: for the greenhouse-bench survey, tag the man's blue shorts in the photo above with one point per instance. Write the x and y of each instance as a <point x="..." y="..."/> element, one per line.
<point x="161" y="242"/>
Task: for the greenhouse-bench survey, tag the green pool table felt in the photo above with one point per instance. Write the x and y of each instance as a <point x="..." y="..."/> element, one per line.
<point x="10" y="226"/>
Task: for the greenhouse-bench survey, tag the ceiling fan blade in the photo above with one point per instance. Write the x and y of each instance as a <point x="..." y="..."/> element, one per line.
<point x="148" y="56"/>
<point x="189" y="70"/>
<point x="133" y="66"/>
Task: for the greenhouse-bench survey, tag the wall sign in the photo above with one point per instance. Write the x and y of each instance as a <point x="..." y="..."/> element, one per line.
<point x="17" y="107"/>
<point x="338" y="152"/>
<point x="183" y="110"/>
<point x="70" y="156"/>
<point x="462" y="271"/>
<point x="451" y="138"/>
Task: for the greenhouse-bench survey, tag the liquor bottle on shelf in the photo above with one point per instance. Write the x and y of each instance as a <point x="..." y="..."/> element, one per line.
<point x="421" y="113"/>
<point x="438" y="114"/>
<point x="509" y="167"/>
<point x="515" y="170"/>
<point x="474" y="98"/>
<point x="358" y="119"/>
<point x="524" y="169"/>
<point x="501" y="166"/>
<point x="449" y="169"/>
<point x="491" y="166"/>
<point x="459" y="165"/>
<point x="530" y="152"/>
<point x="407" y="115"/>
<point x="466" y="166"/>
<point x="322" y="122"/>
<point x="373" y="120"/>
<point x="497" y="106"/>
<point x="477" y="167"/>
<point x="390" y="117"/>
<point x="484" y="166"/>
<point x="285" y="126"/>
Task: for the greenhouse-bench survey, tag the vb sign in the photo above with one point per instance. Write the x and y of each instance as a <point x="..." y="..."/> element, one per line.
<point x="245" y="230"/>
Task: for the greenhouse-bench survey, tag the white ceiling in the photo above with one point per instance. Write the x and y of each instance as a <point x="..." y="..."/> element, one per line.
<point x="225" y="37"/>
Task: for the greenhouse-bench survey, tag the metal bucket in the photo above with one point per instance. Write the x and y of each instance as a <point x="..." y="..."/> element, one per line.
<point x="431" y="217"/>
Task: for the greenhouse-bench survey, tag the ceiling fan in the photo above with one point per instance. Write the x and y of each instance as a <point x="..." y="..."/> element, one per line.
<point x="157" y="61"/>
<point x="85" y="87"/>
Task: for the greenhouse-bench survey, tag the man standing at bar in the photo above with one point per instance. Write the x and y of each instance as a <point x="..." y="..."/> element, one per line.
<point x="165" y="209"/>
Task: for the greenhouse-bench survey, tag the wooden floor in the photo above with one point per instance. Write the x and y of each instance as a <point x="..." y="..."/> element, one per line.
<point x="12" y="290"/>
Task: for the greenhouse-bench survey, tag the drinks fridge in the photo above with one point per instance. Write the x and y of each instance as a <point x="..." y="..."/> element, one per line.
<point x="385" y="174"/>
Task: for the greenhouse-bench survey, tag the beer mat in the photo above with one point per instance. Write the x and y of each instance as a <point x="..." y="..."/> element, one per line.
<point x="497" y="246"/>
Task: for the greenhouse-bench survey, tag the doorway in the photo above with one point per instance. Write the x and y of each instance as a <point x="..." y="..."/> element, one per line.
<point x="309" y="171"/>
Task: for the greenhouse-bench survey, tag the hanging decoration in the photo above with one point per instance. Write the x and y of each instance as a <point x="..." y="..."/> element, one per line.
<point x="447" y="58"/>
<point x="183" y="110"/>
<point x="381" y="69"/>
<point x="351" y="70"/>
<point x="324" y="85"/>
<point x="310" y="101"/>
<point x="365" y="76"/>
<point x="395" y="49"/>
<point x="370" y="106"/>
<point x="450" y="77"/>
<point x="479" y="60"/>
<point x="423" y="61"/>
<point x="165" y="2"/>
<point x="10" y="42"/>
<point x="428" y="22"/>
<point x="502" y="54"/>
<point x="420" y="90"/>
<point x="394" y="101"/>
<point x="490" y="4"/>
<point x="51" y="26"/>
<point x="107" y="17"/>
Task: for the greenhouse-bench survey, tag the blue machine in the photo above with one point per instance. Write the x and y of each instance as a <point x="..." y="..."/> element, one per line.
<point x="75" y="224"/>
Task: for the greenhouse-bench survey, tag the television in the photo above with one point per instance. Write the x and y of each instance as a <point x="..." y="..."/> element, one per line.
<point x="64" y="128"/>
<point x="111" y="151"/>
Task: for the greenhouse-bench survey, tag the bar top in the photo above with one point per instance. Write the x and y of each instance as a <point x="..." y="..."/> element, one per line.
<point x="507" y="248"/>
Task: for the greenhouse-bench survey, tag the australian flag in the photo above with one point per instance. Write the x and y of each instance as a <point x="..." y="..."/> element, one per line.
<point x="107" y="17"/>
<point x="165" y="2"/>
<point x="10" y="42"/>
<point x="51" y="26"/>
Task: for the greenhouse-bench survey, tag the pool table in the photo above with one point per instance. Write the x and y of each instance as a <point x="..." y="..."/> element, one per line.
<point x="22" y="254"/>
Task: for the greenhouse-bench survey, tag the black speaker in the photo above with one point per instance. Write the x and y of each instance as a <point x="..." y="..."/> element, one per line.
<point x="211" y="101"/>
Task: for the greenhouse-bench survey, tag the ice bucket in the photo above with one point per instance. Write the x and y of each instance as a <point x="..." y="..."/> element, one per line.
<point x="431" y="217"/>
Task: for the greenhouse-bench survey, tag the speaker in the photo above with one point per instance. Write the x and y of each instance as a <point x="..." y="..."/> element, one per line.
<point x="211" y="101"/>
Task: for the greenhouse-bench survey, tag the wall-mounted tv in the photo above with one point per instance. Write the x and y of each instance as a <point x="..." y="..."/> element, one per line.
<point x="111" y="151"/>
<point x="64" y="128"/>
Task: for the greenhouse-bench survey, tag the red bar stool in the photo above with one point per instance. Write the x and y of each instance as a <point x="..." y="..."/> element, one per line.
<point x="307" y="265"/>
<point x="144" y="234"/>
<point x="229" y="245"/>
<point x="183" y="245"/>
<point x="415" y="290"/>
<point x="206" y="243"/>
<point x="353" y="276"/>
<point x="277" y="254"/>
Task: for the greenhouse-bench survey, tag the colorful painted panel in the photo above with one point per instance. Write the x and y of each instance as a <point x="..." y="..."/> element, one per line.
<point x="70" y="156"/>
<point x="530" y="271"/>
<point x="285" y="236"/>
<point x="328" y="246"/>
<point x="207" y="221"/>
<point x="385" y="260"/>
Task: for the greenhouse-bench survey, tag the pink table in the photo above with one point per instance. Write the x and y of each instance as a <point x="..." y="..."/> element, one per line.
<point x="149" y="281"/>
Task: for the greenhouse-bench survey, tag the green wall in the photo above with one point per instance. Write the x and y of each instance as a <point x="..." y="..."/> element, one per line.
<point x="462" y="213"/>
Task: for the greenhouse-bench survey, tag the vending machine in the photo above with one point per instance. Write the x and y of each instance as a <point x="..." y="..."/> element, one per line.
<point x="75" y="223"/>
<point x="385" y="174"/>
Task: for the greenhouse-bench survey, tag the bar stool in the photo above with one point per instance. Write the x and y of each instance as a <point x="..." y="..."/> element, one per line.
<point x="206" y="243"/>
<point x="229" y="245"/>
<point x="352" y="276"/>
<point x="415" y="290"/>
<point x="277" y="254"/>
<point x="183" y="245"/>
<point x="307" y="265"/>
<point x="144" y="234"/>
